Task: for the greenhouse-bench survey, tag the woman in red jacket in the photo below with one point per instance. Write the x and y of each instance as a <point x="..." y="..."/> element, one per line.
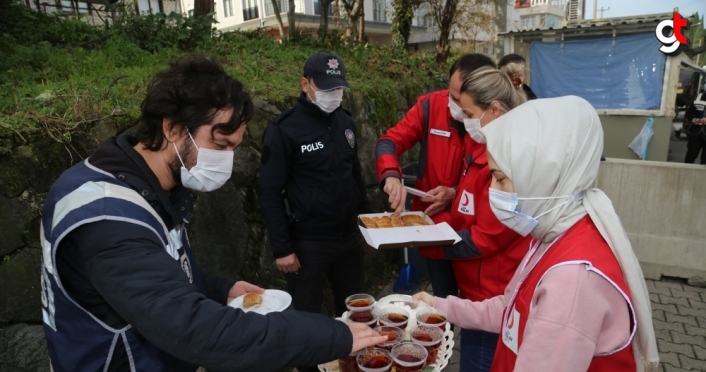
<point x="489" y="252"/>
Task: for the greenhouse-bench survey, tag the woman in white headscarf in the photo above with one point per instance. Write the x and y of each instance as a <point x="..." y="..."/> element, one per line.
<point x="578" y="301"/>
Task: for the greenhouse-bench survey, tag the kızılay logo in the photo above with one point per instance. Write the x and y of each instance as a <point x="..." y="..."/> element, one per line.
<point x="670" y="33"/>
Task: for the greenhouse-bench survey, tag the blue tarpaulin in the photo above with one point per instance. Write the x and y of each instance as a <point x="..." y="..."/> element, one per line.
<point x="625" y="72"/>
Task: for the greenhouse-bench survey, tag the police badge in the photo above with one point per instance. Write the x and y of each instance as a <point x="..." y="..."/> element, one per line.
<point x="350" y="137"/>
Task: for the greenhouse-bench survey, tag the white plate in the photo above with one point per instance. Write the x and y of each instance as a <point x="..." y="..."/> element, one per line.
<point x="272" y="300"/>
<point x="416" y="192"/>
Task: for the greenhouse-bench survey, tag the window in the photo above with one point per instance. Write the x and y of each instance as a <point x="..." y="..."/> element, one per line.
<point x="428" y="20"/>
<point x="425" y="18"/>
<point x="379" y="11"/>
<point x="83" y="8"/>
<point x="283" y="6"/>
<point x="148" y="6"/>
<point x="250" y="10"/>
<point x="561" y="4"/>
<point x="227" y="8"/>
<point x="317" y="8"/>
<point x="65" y="6"/>
<point x="553" y="21"/>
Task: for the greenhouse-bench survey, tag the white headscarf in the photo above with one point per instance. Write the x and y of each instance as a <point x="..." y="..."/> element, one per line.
<point x="552" y="147"/>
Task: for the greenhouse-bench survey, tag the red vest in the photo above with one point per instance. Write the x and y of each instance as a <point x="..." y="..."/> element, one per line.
<point x="501" y="248"/>
<point x="582" y="244"/>
<point x="442" y="148"/>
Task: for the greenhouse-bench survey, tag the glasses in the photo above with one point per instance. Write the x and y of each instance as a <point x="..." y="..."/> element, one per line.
<point x="409" y="357"/>
<point x="394" y="335"/>
<point x="430" y="338"/>
<point x="393" y="317"/>
<point x="432" y="317"/>
<point x="374" y="360"/>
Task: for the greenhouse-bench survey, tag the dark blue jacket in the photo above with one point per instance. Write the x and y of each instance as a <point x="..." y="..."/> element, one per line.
<point x="310" y="158"/>
<point x="121" y="289"/>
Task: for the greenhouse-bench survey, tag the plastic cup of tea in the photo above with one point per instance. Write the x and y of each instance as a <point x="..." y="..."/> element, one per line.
<point x="393" y="317"/>
<point x="349" y="363"/>
<point x="429" y="337"/>
<point x="432" y="317"/>
<point x="360" y="302"/>
<point x="374" y="360"/>
<point x="394" y="335"/>
<point x="366" y="317"/>
<point x="409" y="357"/>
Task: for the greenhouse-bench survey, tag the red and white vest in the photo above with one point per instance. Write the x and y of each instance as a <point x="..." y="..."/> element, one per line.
<point x="580" y="245"/>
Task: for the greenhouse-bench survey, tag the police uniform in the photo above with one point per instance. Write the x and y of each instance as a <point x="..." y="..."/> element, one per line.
<point x="696" y="133"/>
<point x="311" y="191"/>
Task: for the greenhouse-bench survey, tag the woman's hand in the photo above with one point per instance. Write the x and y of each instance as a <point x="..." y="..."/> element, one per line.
<point x="441" y="196"/>
<point x="425" y="297"/>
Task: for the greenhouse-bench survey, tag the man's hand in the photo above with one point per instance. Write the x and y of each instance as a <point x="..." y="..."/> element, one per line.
<point x="398" y="195"/>
<point x="425" y="297"/>
<point x="441" y="196"/>
<point x="364" y="336"/>
<point x="240" y="288"/>
<point x="697" y="121"/>
<point x="288" y="264"/>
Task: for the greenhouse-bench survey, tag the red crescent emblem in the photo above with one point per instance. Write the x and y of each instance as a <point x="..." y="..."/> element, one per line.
<point x="511" y="322"/>
<point x="465" y="200"/>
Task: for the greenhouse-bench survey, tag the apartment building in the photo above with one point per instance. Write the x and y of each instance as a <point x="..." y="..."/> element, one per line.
<point x="93" y="11"/>
<point x="232" y="15"/>
<point x="543" y="14"/>
<point x="253" y="14"/>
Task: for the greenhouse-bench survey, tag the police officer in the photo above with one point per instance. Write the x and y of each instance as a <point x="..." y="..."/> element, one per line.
<point x="121" y="290"/>
<point x="311" y="189"/>
<point x="695" y="128"/>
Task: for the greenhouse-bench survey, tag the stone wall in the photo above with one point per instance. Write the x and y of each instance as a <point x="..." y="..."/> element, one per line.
<point x="227" y="231"/>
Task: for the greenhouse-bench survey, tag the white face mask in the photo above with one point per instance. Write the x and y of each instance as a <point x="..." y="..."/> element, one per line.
<point x="504" y="206"/>
<point x="473" y="128"/>
<point x="328" y="101"/>
<point x="456" y="110"/>
<point x="213" y="168"/>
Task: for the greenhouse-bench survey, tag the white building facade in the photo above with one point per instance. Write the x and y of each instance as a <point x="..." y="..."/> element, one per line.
<point x="543" y="14"/>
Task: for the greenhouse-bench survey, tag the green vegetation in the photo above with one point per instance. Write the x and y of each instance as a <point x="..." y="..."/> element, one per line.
<point x="59" y="72"/>
<point x="697" y="37"/>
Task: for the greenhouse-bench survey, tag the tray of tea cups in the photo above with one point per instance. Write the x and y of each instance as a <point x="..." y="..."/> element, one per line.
<point x="447" y="343"/>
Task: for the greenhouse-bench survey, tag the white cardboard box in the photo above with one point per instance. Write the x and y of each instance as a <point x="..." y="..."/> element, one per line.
<point x="408" y="236"/>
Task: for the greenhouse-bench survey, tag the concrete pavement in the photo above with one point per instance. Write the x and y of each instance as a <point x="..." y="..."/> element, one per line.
<point x="679" y="316"/>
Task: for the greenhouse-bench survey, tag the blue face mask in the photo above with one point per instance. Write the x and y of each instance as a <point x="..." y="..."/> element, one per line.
<point x="504" y="206"/>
